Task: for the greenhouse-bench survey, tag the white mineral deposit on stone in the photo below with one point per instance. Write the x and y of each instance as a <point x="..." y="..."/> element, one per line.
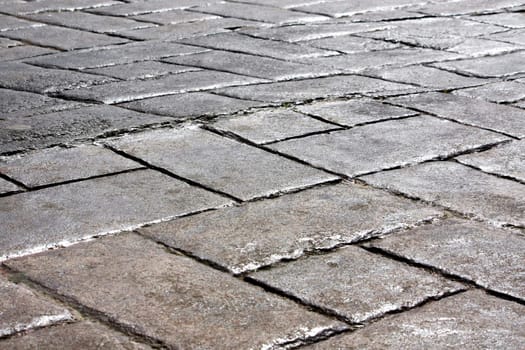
<point x="37" y="322"/>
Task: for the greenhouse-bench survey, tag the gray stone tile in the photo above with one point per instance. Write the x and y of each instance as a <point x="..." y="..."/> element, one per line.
<point x="345" y="8"/>
<point x="341" y="282"/>
<point x="172" y="298"/>
<point x="22" y="309"/>
<point x="80" y="335"/>
<point x="18" y="134"/>
<point x="382" y="15"/>
<point x="6" y="43"/>
<point x="114" y="55"/>
<point x="503" y="91"/>
<point x="474" y="251"/>
<point x="471" y="320"/>
<point x="512" y="36"/>
<point x="174" y="17"/>
<point x="492" y="66"/>
<point x="258" y="13"/>
<point x="191" y="105"/>
<point x="14" y="23"/>
<point x="460" y="188"/>
<point x="469" y="111"/>
<point x="507" y="160"/>
<point x="386" y="145"/>
<point x="467" y="7"/>
<point x="23" y="51"/>
<point x="54" y="165"/>
<point x="271" y="125"/>
<point x="168" y="85"/>
<point x="509" y="20"/>
<point x="264" y="232"/>
<point x="34" y="221"/>
<point x="140" y="70"/>
<point x="256" y="46"/>
<point x="62" y="38"/>
<point x="27" y="7"/>
<point x="220" y="163"/>
<point x="18" y="104"/>
<point x="281" y="3"/>
<point x="255" y="66"/>
<point x="354" y="112"/>
<point x="302" y="90"/>
<point x="7" y="187"/>
<point x="520" y="104"/>
<point x="155" y="6"/>
<point x="477" y="47"/>
<point x="352" y="44"/>
<point x="428" y="77"/>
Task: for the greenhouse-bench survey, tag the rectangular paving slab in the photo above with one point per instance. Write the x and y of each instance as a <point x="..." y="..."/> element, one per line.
<point x="173" y="17"/>
<point x="140" y="70"/>
<point x="491" y="66"/>
<point x="18" y="52"/>
<point x="220" y="163"/>
<point x="386" y="145"/>
<point x="19" y="104"/>
<point x="141" y="6"/>
<point x="490" y="257"/>
<point x="8" y="187"/>
<point x="346" y="8"/>
<point x="32" y="221"/>
<point x="342" y="282"/>
<point x="499" y="92"/>
<point x="460" y="188"/>
<point x="264" y="232"/>
<point x="172" y="298"/>
<point x="20" y="7"/>
<point x="471" y="320"/>
<point x="504" y="119"/>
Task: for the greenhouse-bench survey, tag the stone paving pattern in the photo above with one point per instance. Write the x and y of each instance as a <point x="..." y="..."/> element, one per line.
<point x="262" y="174"/>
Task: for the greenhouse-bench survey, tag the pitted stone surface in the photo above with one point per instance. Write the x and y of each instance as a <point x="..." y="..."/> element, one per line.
<point x="475" y="47"/>
<point x="265" y="232"/>
<point x="507" y="160"/>
<point x="492" y="66"/>
<point x="140" y="70"/>
<point x="500" y="92"/>
<point x="18" y="52"/>
<point x="509" y="20"/>
<point x="19" y="104"/>
<point x="7" y="187"/>
<point x="13" y="23"/>
<point x="141" y="6"/>
<point x="21" y="7"/>
<point x="172" y="298"/>
<point x="387" y="145"/>
<point x="478" y="252"/>
<point x="470" y="111"/>
<point x="460" y="188"/>
<point x="470" y="320"/>
<point x="220" y="163"/>
<point x="344" y="8"/>
<point x="173" y="17"/>
<point x="22" y="309"/>
<point x="342" y="281"/>
<point x="512" y="36"/>
<point x="55" y="165"/>
<point x="352" y="44"/>
<point x="271" y="125"/>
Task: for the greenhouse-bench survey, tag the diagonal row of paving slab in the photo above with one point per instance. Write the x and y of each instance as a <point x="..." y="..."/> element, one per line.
<point x="209" y="174"/>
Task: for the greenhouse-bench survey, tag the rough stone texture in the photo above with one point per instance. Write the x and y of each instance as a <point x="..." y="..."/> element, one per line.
<point x="341" y="282"/>
<point x="507" y="160"/>
<point x="191" y="105"/>
<point x="492" y="66"/>
<point x="344" y="8"/>
<point x="19" y="104"/>
<point x="264" y="232"/>
<point x="475" y="47"/>
<point x="355" y="112"/>
<point x="271" y="125"/>
<point x="7" y="187"/>
<point x="66" y="126"/>
<point x="54" y="165"/>
<point x="141" y="6"/>
<point x="255" y="66"/>
<point x="470" y="111"/>
<point x="471" y="320"/>
<point x="22" y="309"/>
<point x="307" y="89"/>
<point x="13" y="23"/>
<point x="22" y="7"/>
<point x="171" y="297"/>
<point x="18" y="52"/>
<point x="460" y="188"/>
<point x="387" y="145"/>
<point x="174" y="17"/>
<point x="140" y="70"/>
<point x="351" y="44"/>
<point x="35" y="220"/>
<point x="512" y="36"/>
<point x="488" y="256"/>
<point x="509" y="20"/>
<point x="220" y="163"/>
<point x="500" y="92"/>
<point x="81" y="335"/>
<point x="467" y="7"/>
<point x="171" y="84"/>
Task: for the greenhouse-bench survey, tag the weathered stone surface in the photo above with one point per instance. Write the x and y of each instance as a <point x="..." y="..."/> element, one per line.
<point x="7" y="187"/>
<point x="478" y="252"/>
<point x="174" y="17"/>
<point x="493" y="66"/>
<point x="155" y="6"/>
<point x="355" y="112"/>
<point x="19" y="104"/>
<point x="503" y="91"/>
<point x="80" y="335"/>
<point x="344" y="8"/>
<point x="66" y="126"/>
<point x="341" y="282"/>
<point x="507" y="160"/>
<point x="386" y="145"/>
<point x="352" y="44"/>
<point x="307" y="89"/>
<point x="512" y="36"/>
<point x="256" y="46"/>
<point x="428" y="77"/>
<point x="255" y="66"/>
<point x="382" y="15"/>
<point x="460" y="188"/>
<point x="22" y="309"/>
<point x="470" y="111"/>
<point x="506" y="19"/>
<point x="271" y="125"/>
<point x="475" y="47"/>
<point x="114" y="55"/>
<point x="14" y="23"/>
<point x="35" y="220"/>
<point x="191" y="105"/>
<point x="57" y="164"/>
<point x="22" y="51"/>
<point x="140" y="70"/>
<point x="172" y="298"/>
<point x="27" y="7"/>
<point x="168" y="85"/>
<point x="243" y="171"/>
<point x="471" y="320"/>
<point x="62" y="38"/>
<point x="467" y="7"/>
<point x="6" y="43"/>
<point x="265" y="232"/>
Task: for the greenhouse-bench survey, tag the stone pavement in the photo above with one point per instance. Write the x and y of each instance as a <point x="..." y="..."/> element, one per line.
<point x="262" y="174"/>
